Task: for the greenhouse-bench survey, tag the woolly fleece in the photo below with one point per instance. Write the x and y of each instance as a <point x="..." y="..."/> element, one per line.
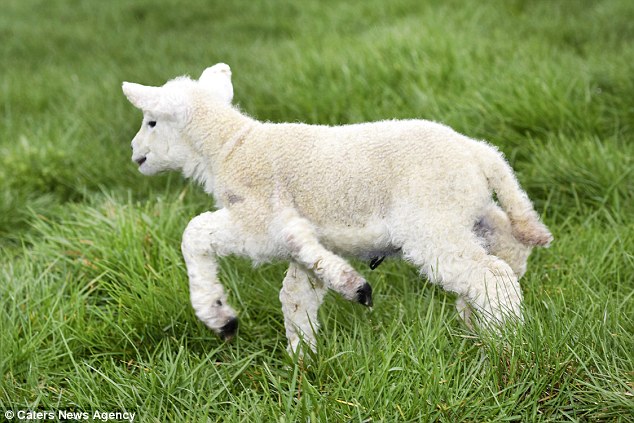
<point x="312" y="194"/>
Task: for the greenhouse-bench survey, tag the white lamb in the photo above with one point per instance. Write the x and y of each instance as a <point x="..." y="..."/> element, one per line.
<point x="309" y="194"/>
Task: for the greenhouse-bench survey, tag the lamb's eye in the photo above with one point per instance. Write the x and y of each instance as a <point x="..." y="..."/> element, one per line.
<point x="152" y="123"/>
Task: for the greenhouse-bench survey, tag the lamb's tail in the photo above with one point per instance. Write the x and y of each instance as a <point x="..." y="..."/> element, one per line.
<point x="525" y="223"/>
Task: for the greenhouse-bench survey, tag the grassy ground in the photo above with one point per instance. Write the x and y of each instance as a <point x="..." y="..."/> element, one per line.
<point x="95" y="313"/>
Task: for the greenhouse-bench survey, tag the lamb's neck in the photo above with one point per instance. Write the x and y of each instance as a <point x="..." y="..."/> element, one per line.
<point x="212" y="126"/>
<point x="212" y="131"/>
<point x="200" y="170"/>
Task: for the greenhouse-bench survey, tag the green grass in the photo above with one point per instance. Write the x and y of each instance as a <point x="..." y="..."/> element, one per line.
<point x="95" y="311"/>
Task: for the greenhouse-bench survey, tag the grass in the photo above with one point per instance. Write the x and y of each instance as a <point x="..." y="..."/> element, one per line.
<point x="95" y="312"/>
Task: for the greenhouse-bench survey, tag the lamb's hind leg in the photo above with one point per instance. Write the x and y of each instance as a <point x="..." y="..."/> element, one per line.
<point x="494" y="230"/>
<point x="301" y="297"/>
<point x="206" y="237"/>
<point x="298" y="236"/>
<point x="459" y="264"/>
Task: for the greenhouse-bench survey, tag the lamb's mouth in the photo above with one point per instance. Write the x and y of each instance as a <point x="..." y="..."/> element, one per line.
<point x="141" y="160"/>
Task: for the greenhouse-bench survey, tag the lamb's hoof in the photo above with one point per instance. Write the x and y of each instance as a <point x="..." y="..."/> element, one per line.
<point x="364" y="295"/>
<point x="229" y="330"/>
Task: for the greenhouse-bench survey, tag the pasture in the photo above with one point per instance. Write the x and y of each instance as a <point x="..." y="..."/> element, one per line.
<point x="95" y="309"/>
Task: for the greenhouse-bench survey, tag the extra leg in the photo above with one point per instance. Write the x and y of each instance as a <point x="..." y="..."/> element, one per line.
<point x="206" y="237"/>
<point x="298" y="236"/>
<point x="494" y="228"/>
<point x="301" y="297"/>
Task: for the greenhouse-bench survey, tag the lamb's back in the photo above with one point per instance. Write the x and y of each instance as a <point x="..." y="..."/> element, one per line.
<point x="346" y="173"/>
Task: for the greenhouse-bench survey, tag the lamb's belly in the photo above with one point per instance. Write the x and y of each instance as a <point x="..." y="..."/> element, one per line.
<point x="367" y="241"/>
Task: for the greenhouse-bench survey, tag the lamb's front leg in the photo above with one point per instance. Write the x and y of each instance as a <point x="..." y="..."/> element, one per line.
<point x="301" y="297"/>
<point x="299" y="237"/>
<point x="206" y="237"/>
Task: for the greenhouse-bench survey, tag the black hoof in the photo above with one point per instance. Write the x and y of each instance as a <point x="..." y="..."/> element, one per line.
<point x="376" y="261"/>
<point x="364" y="295"/>
<point x="229" y="330"/>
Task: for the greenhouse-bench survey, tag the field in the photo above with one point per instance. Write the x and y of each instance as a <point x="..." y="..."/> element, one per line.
<point x="95" y="313"/>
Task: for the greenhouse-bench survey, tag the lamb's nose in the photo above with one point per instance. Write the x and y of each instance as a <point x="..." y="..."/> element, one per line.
<point x="141" y="160"/>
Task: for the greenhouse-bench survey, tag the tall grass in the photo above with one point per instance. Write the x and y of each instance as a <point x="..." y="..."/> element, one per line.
<point x="96" y="313"/>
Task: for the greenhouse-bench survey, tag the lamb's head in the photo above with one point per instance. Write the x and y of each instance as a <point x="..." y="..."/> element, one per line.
<point x="162" y="142"/>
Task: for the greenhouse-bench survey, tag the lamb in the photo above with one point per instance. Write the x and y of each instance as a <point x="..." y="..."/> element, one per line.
<point x="311" y="194"/>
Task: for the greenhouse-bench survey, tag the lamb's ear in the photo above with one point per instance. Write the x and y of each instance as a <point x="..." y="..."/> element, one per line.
<point x="141" y="96"/>
<point x="218" y="79"/>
